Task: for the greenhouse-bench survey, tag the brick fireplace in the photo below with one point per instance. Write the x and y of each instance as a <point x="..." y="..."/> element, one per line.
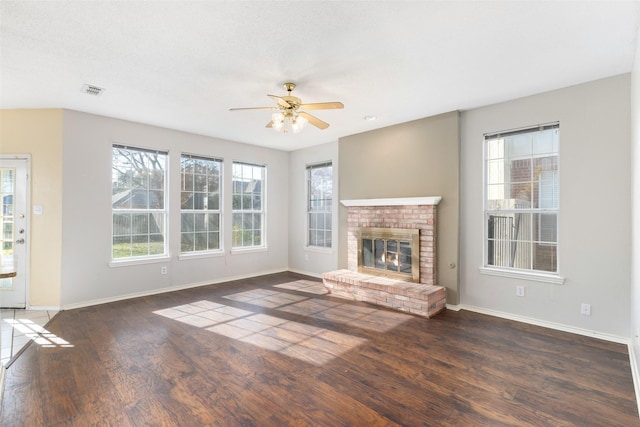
<point x="400" y="213"/>
<point x="422" y="296"/>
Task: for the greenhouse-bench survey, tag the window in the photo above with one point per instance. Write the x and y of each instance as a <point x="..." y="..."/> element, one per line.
<point x="248" y="205"/>
<point x="319" y="204"/>
<point x="138" y="183"/>
<point x="522" y="199"/>
<point x="199" y="203"/>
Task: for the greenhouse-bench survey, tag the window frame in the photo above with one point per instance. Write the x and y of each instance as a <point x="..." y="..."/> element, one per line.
<point x="164" y="211"/>
<point x="308" y="169"/>
<point x="532" y="211"/>
<point x="262" y="211"/>
<point x="219" y="211"/>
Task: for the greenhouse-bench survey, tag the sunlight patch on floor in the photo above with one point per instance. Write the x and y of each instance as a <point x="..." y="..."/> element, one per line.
<point x="308" y="286"/>
<point x="37" y="333"/>
<point x="301" y="341"/>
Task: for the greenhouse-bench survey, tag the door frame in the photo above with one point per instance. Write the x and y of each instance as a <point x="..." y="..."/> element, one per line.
<point x="27" y="225"/>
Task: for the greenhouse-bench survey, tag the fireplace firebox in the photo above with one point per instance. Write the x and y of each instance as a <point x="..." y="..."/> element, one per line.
<point x="390" y="252"/>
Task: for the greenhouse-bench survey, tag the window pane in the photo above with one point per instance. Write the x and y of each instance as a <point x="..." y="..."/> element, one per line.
<point x="495" y="172"/>
<point x="200" y="223"/>
<point x="545" y="257"/>
<point x="213" y="201"/>
<point x="201" y="241"/>
<point x="138" y="183"/>
<point x="186" y="200"/>
<point x="200" y="183"/>
<point x="198" y="201"/>
<point x="188" y="222"/>
<point x="140" y="224"/>
<point x="214" y="222"/>
<point x="495" y="148"/>
<point x="522" y="190"/>
<point x="247" y="205"/>
<point x="121" y="224"/>
<point x="319" y="204"/>
<point x="201" y="193"/>
<point x="187" y="182"/>
<point x="214" y="241"/>
<point x="187" y="242"/>
<point x="547" y="226"/>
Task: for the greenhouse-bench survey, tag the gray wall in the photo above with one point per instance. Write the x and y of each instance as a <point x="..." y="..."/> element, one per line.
<point x="302" y="258"/>
<point x="594" y="221"/>
<point x="418" y="158"/>
<point x="635" y="198"/>
<point x="86" y="217"/>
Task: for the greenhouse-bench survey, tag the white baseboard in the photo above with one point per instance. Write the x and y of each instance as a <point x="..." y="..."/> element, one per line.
<point x="454" y="307"/>
<point x="44" y="307"/>
<point x="546" y="324"/>
<point x="2" y="371"/>
<point x="634" y="373"/>
<point x="306" y="273"/>
<point x="164" y="290"/>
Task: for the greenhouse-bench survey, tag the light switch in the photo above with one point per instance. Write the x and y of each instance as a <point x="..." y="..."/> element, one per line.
<point x="37" y="209"/>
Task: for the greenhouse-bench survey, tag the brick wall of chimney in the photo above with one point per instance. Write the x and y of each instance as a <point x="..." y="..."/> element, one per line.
<point x="422" y="217"/>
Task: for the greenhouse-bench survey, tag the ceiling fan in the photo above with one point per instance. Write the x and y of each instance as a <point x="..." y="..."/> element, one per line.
<point x="289" y="112"/>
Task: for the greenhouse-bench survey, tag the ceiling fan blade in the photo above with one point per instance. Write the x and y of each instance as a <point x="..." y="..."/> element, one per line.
<point x="270" y="124"/>
<point x="323" y="106"/>
<point x="280" y="101"/>
<point x="314" y="120"/>
<point x="253" y="108"/>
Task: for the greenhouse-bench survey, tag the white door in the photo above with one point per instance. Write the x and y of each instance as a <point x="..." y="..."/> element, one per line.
<point x="14" y="233"/>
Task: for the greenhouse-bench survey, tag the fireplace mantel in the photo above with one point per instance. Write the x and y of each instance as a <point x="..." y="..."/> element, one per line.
<point x="396" y="201"/>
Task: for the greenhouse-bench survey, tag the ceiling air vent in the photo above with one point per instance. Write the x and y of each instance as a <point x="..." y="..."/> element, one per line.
<point x="92" y="90"/>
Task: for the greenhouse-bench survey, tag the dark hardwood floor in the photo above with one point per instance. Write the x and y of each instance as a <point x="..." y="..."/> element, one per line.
<point x="276" y="351"/>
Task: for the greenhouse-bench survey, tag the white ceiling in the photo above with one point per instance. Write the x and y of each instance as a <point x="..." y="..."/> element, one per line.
<point x="182" y="65"/>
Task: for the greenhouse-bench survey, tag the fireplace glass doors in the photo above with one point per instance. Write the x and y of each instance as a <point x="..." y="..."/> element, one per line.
<point x="392" y="252"/>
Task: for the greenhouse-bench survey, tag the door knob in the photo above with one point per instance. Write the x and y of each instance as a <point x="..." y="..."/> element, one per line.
<point x="20" y="241"/>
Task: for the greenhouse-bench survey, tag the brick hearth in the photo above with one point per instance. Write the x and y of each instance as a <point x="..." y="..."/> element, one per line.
<point x="408" y="213"/>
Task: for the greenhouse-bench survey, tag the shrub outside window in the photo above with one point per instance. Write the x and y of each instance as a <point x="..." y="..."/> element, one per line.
<point x="200" y="179"/>
<point x="138" y="182"/>
<point x="248" y="205"/>
<point x="319" y="204"/>
<point x="522" y="199"/>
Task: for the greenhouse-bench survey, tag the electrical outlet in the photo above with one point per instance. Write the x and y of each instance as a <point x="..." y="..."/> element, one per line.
<point x="163" y="269"/>
<point x="586" y="309"/>
<point x="519" y="291"/>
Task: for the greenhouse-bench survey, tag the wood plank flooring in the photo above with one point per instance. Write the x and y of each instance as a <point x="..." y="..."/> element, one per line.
<point x="276" y="351"/>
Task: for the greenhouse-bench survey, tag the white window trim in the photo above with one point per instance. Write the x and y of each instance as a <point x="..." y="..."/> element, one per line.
<point x="151" y="259"/>
<point x="319" y="249"/>
<point x="147" y="259"/>
<point x="264" y="246"/>
<point x="248" y="250"/>
<point x="531" y="275"/>
<point x="206" y="253"/>
<point x="307" y="246"/>
<point x="200" y="254"/>
<point x="535" y="276"/>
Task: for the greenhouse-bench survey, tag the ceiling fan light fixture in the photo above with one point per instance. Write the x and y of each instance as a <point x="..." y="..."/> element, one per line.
<point x="298" y="123"/>
<point x="291" y="114"/>
<point x="287" y="122"/>
<point x="278" y="122"/>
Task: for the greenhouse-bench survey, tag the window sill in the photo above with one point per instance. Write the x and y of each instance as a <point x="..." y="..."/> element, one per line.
<point x="523" y="275"/>
<point x="240" y="251"/>
<point x="318" y="249"/>
<point x="197" y="255"/>
<point x="139" y="261"/>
